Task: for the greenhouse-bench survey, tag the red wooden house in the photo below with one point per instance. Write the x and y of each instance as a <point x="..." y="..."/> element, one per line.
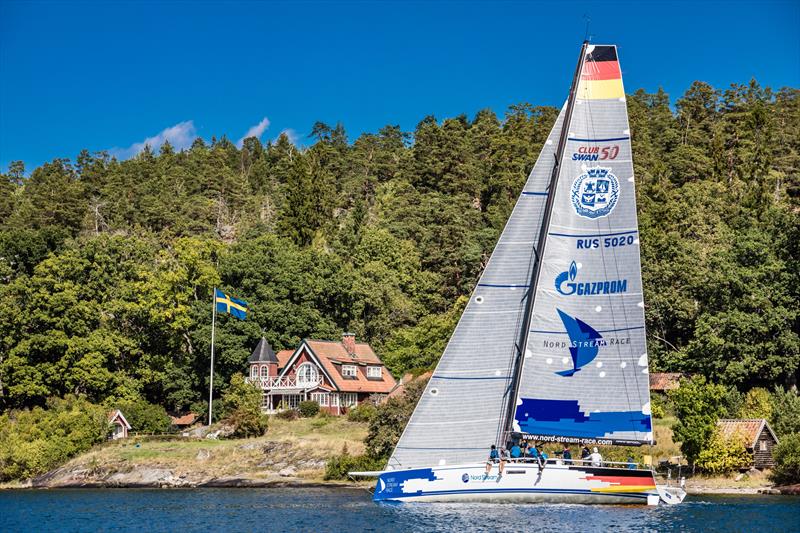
<point x="338" y="375"/>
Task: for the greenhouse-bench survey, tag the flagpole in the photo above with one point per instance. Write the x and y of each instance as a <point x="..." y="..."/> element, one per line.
<point x="213" y="325"/>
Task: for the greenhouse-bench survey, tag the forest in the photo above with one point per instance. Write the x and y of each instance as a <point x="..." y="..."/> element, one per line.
<point x="107" y="266"/>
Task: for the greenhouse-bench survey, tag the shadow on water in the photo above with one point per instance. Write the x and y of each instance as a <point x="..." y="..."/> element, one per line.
<point x="346" y="510"/>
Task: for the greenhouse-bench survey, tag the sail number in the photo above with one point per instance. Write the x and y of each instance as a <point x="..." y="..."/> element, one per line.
<point x="607" y="242"/>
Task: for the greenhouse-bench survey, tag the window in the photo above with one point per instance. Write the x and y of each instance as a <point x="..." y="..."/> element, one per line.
<point x="254" y="371"/>
<point x="321" y="398"/>
<point x="349" y="399"/>
<point x="349" y="371"/>
<point x="762" y="445"/>
<point x="291" y="401"/>
<point x="334" y="400"/>
<point x="374" y="372"/>
<point x="264" y="371"/>
<point x="307" y="375"/>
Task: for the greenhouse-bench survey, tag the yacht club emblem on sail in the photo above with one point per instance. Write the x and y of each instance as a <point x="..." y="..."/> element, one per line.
<point x="595" y="193"/>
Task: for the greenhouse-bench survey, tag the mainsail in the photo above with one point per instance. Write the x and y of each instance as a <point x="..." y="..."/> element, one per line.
<point x="584" y="372"/>
<point x="462" y="409"/>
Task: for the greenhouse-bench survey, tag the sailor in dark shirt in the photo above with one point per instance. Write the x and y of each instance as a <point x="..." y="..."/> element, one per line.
<point x="566" y="455"/>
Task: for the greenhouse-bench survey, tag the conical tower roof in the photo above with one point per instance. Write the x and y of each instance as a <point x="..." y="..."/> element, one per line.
<point x="263" y="353"/>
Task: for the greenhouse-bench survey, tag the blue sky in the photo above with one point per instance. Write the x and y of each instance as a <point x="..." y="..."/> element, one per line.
<point x="113" y="75"/>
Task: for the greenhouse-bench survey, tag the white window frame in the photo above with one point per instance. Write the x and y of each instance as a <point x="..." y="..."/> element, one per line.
<point x="292" y="401"/>
<point x="322" y="398"/>
<point x="762" y="446"/>
<point x="301" y="375"/>
<point x="334" y="400"/>
<point x="349" y="371"/>
<point x="349" y="399"/>
<point x="374" y="372"/>
<point x="253" y="371"/>
<point x="264" y="371"/>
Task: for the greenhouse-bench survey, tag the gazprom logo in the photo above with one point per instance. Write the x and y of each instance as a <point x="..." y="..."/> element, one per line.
<point x="566" y="285"/>
<point x="595" y="193"/>
<point x="465" y="478"/>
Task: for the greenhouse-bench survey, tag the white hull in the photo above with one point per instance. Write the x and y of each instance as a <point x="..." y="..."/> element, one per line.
<point x="520" y="483"/>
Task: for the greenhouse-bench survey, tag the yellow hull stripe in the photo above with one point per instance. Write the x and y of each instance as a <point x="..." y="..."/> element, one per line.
<point x="600" y="89"/>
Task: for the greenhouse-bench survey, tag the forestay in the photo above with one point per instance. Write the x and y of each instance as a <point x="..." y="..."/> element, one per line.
<point x="462" y="408"/>
<point x="584" y="374"/>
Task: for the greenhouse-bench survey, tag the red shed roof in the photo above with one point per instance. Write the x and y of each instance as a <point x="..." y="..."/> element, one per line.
<point x="748" y="428"/>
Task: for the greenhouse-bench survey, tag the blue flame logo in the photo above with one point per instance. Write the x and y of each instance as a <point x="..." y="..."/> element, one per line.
<point x="585" y="342"/>
<point x="564" y="276"/>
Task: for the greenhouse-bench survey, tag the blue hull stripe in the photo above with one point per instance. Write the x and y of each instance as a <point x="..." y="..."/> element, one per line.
<point x="599" y="330"/>
<point x="532" y="193"/>
<point x="598" y="140"/>
<point x="637" y="496"/>
<point x="592" y="235"/>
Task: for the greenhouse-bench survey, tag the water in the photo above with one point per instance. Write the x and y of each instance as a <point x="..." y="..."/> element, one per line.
<point x="347" y="510"/>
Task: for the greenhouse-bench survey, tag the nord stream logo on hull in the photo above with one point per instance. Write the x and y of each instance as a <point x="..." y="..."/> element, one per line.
<point x="566" y="285"/>
<point x="595" y="193"/>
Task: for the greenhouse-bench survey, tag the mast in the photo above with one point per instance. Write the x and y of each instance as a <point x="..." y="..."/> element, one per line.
<point x="537" y="266"/>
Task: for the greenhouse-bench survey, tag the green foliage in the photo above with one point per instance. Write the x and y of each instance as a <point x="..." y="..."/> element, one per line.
<point x="338" y="466"/>
<point x="363" y="412"/>
<point x="308" y="408"/>
<point x="657" y="409"/>
<point x="787" y="460"/>
<point x="143" y="417"/>
<point x="785" y="410"/>
<point x="757" y="404"/>
<point x="723" y="455"/>
<point x="241" y="405"/>
<point x="37" y="440"/>
<point x="387" y="425"/>
<point x="697" y="405"/>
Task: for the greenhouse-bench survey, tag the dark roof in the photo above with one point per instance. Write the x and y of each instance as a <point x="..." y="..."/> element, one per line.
<point x="263" y="353"/>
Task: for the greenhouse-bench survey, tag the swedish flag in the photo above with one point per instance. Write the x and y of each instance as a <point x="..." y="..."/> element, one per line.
<point x="230" y="305"/>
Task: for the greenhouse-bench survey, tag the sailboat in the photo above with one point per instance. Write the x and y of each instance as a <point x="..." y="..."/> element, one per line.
<point x="551" y="345"/>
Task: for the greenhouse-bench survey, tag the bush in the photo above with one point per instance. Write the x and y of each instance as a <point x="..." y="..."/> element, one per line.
<point x="724" y="455"/>
<point x="785" y="411"/>
<point x="143" y="417"/>
<point x="308" y="408"/>
<point x="787" y="461"/>
<point x="241" y="405"/>
<point x="698" y="405"/>
<point x="756" y="404"/>
<point x="657" y="406"/>
<point x="364" y="412"/>
<point x="33" y="442"/>
<point x="339" y="465"/>
<point x="288" y="414"/>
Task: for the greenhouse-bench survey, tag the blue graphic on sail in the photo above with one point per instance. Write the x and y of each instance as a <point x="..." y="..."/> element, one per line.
<point x="585" y="342"/>
<point x="564" y="276"/>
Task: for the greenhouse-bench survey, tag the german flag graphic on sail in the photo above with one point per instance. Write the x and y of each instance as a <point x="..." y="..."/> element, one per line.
<point x="601" y="78"/>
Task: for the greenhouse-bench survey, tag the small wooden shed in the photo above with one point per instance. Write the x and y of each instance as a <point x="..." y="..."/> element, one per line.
<point x="759" y="438"/>
<point x="120" y="426"/>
